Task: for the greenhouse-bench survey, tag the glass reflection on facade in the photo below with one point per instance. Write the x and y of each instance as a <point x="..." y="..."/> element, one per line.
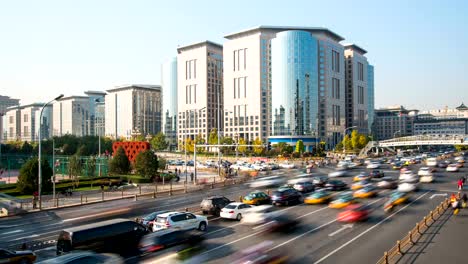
<point x="370" y="94"/>
<point x="169" y="87"/>
<point x="294" y="67"/>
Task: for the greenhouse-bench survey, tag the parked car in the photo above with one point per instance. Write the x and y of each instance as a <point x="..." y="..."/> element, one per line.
<point x="22" y="256"/>
<point x="286" y="196"/>
<point x="234" y="211"/>
<point x="304" y="187"/>
<point x="180" y="221"/>
<point x="114" y="235"/>
<point x="85" y="257"/>
<point x="214" y="204"/>
<point x="167" y="238"/>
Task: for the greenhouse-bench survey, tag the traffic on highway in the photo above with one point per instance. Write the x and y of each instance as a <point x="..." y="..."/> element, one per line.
<point x="290" y="212"/>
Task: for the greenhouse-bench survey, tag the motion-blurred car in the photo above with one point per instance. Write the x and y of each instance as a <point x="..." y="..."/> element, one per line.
<point x="319" y="181"/>
<point x="214" y="204"/>
<point x="267" y="182"/>
<point x="424" y="171"/>
<point x="354" y="213"/>
<point x="286" y="196"/>
<point x="407" y="187"/>
<point x="359" y="185"/>
<point x="287" y="165"/>
<point x="443" y="164"/>
<point x="256" y="198"/>
<point x="452" y="168"/>
<point x="459" y="164"/>
<point x="338" y="173"/>
<point x="376" y="174"/>
<point x="279" y="223"/>
<point x="398" y="198"/>
<point x="373" y="165"/>
<point x="127" y="186"/>
<point x="304" y="187"/>
<point x="397" y="166"/>
<point x="259" y="215"/>
<point x="366" y="192"/>
<point x="342" y="201"/>
<point x="23" y="256"/>
<point x="387" y="183"/>
<point x="148" y="220"/>
<point x="361" y="177"/>
<point x="260" y="254"/>
<point x="84" y="257"/>
<point x="335" y="185"/>
<point x="167" y="238"/>
<point x="234" y="211"/>
<point x="409" y="177"/>
<point x="460" y="159"/>
<point x="318" y="197"/>
<point x="180" y="221"/>
<point x="300" y="178"/>
<point x="428" y="178"/>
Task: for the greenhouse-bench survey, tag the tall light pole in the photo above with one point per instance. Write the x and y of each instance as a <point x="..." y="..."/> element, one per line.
<point x="396" y="132"/>
<point x="219" y="128"/>
<point x="344" y="135"/>
<point x="97" y="100"/>
<point x="40" y="146"/>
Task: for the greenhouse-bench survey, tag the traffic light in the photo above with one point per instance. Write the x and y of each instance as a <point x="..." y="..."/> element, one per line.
<point x="269" y="146"/>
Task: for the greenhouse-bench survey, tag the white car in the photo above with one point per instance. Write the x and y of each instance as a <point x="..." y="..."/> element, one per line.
<point x="246" y="167"/>
<point x="432" y="162"/>
<point x="180" y="221"/>
<point x="202" y="165"/>
<point x="452" y="168"/>
<point x="300" y="178"/>
<point x="338" y="173"/>
<point x="234" y="211"/>
<point x="259" y="166"/>
<point x="267" y="182"/>
<point x="259" y="215"/>
<point x="373" y="165"/>
<point x="428" y="178"/>
<point x="211" y="163"/>
<point x="343" y="165"/>
<point x="237" y="165"/>
<point x="286" y="165"/>
<point x="408" y="177"/>
<point x="424" y="171"/>
<point x="407" y="187"/>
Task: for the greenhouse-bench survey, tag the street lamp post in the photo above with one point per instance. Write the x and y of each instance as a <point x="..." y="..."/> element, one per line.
<point x="344" y="135"/>
<point x="396" y="132"/>
<point x="40" y="146"/>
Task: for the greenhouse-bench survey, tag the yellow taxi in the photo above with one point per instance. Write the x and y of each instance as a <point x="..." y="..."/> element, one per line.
<point x="342" y="201"/>
<point x="9" y="256"/>
<point x="399" y="198"/>
<point x="256" y="198"/>
<point x="359" y="185"/>
<point x="361" y="177"/>
<point x="319" y="197"/>
<point x="366" y="192"/>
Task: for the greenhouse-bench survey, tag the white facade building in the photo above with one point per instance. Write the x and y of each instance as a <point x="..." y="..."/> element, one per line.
<point x="72" y="116"/>
<point x="357" y="96"/>
<point x="200" y="85"/>
<point x="132" y="110"/>
<point x="22" y="122"/>
<point x="5" y="102"/>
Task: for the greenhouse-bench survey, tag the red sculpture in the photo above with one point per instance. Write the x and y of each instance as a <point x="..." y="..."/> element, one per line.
<point x="131" y="148"/>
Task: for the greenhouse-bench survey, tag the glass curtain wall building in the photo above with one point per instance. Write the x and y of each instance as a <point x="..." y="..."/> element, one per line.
<point x="370" y="94"/>
<point x="169" y="94"/>
<point x="294" y="70"/>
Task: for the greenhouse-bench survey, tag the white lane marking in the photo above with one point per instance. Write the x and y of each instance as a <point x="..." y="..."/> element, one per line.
<point x="367" y="230"/>
<point x="99" y="214"/>
<point x="19" y="238"/>
<point x="437" y="194"/>
<point x="11" y="232"/>
<point x="310" y="231"/>
<point x="219" y="230"/>
<point x="341" y="229"/>
<point x="313" y="212"/>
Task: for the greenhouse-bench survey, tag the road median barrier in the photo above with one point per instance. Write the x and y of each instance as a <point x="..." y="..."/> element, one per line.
<point x="402" y="246"/>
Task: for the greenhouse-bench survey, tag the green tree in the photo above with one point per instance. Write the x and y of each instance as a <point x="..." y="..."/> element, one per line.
<point x="83" y="150"/>
<point x="74" y="168"/>
<point x="354" y="140"/>
<point x="119" y="164"/>
<point x="28" y="177"/>
<point x="26" y="148"/>
<point x="461" y="147"/>
<point x="347" y="143"/>
<point x="213" y="137"/>
<point x="339" y="146"/>
<point x="227" y="141"/>
<point x="189" y="144"/>
<point x="199" y="140"/>
<point x="242" y="149"/>
<point x="91" y="166"/>
<point x="258" y="150"/>
<point x="158" y="142"/>
<point x="146" y="164"/>
<point x="162" y="163"/>
<point x="299" y="147"/>
<point x="363" y="140"/>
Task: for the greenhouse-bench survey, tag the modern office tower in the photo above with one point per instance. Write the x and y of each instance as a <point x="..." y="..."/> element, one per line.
<point x="95" y="122"/>
<point x="357" y="90"/>
<point x="5" y="102"/>
<point x="370" y="98"/>
<point x="100" y="119"/>
<point x="394" y="121"/>
<point x="248" y="61"/>
<point x="169" y="94"/>
<point x="199" y="89"/>
<point x="22" y="122"/>
<point x="133" y="110"/>
<point x="72" y="116"/>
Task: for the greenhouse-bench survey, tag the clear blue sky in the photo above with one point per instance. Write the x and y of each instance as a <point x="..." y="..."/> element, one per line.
<point x="419" y="48"/>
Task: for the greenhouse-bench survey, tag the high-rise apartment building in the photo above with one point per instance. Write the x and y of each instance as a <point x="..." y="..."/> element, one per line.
<point x="200" y="89"/>
<point x="133" y="110"/>
<point x="370" y="98"/>
<point x="249" y="57"/>
<point x="72" y="116"/>
<point x="169" y="94"/>
<point x="357" y="89"/>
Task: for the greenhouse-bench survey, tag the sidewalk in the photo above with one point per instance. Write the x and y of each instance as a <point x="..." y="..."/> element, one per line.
<point x="444" y="242"/>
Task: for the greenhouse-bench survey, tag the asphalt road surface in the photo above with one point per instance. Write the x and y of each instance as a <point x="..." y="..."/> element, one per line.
<point x="319" y="238"/>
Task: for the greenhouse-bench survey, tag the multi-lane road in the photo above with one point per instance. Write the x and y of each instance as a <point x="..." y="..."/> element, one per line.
<point x="318" y="239"/>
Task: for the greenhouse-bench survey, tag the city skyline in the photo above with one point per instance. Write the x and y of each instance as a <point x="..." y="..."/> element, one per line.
<point x="56" y="47"/>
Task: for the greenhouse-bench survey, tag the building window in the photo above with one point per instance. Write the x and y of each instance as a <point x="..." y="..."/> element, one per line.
<point x="11" y="119"/>
<point x="360" y="71"/>
<point x="336" y="88"/>
<point x="335" y="61"/>
<point x="25" y="118"/>
<point x="245" y="59"/>
<point x="360" y="95"/>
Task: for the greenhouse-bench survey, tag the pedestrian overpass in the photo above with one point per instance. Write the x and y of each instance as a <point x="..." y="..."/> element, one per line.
<point x="425" y="140"/>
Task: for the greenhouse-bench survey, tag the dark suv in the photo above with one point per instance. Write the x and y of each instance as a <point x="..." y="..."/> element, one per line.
<point x="286" y="196"/>
<point x="214" y="204"/>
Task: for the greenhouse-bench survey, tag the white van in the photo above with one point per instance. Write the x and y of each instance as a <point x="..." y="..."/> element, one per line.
<point x="431" y="162"/>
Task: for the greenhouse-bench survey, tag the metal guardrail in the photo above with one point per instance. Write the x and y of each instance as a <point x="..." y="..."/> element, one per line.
<point x="402" y="246"/>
